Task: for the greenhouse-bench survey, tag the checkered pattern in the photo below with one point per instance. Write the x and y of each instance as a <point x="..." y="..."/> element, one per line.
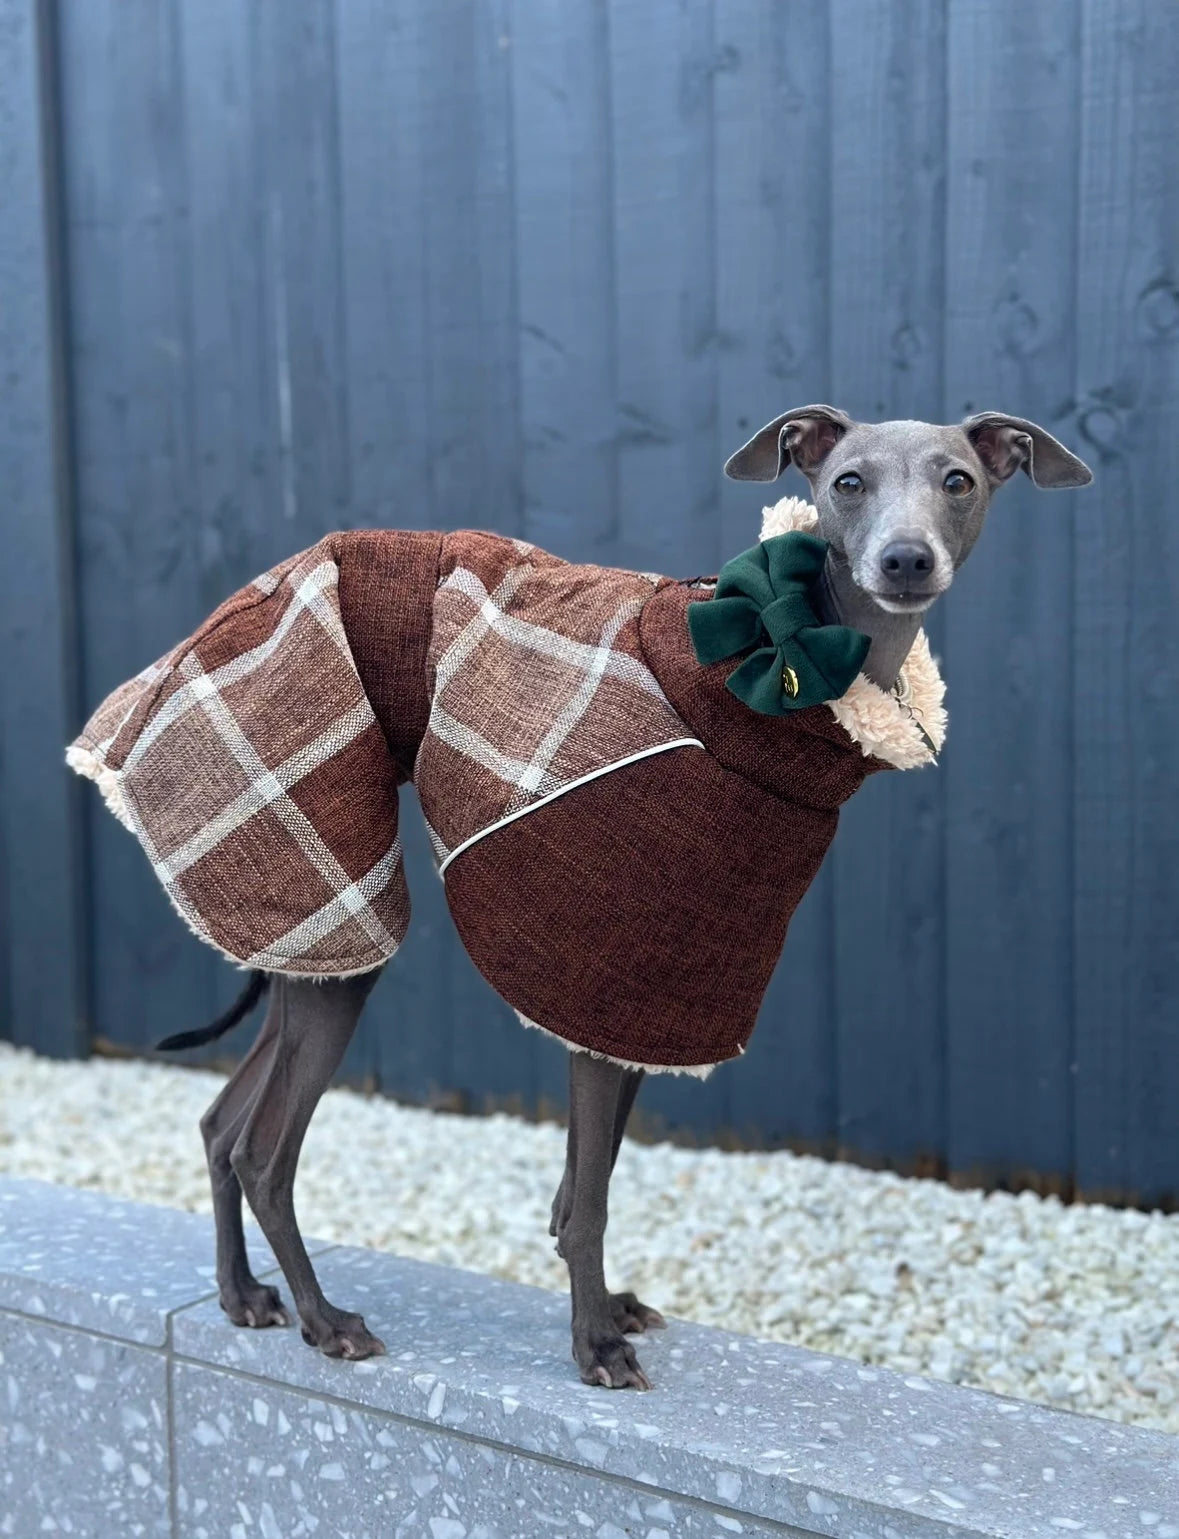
<point x="251" y="767"/>
<point x="538" y="681"/>
<point x="259" y="765"/>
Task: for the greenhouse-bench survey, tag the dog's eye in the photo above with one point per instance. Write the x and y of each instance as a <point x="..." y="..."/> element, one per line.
<point x="849" y="484"/>
<point x="958" y="483"/>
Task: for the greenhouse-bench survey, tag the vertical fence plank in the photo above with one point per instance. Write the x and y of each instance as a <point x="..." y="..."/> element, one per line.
<point x="1010" y="253"/>
<point x="237" y="452"/>
<point x="296" y="116"/>
<point x="773" y="253"/>
<point x="540" y="268"/>
<point x="663" y="63"/>
<point x="382" y="85"/>
<point x="42" y="894"/>
<point x="565" y="277"/>
<point x="888" y="184"/>
<point x="129" y="275"/>
<point x="447" y="1032"/>
<point x="382" y="81"/>
<point x="475" y="407"/>
<point x="566" y="301"/>
<point x="468" y="237"/>
<point x="772" y="173"/>
<point x="1127" y="656"/>
<point x="235" y="491"/>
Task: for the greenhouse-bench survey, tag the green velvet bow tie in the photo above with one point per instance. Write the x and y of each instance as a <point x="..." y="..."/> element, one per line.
<point x="762" y="601"/>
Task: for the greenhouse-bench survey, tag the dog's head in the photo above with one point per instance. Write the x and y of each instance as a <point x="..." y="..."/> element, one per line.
<point x="902" y="503"/>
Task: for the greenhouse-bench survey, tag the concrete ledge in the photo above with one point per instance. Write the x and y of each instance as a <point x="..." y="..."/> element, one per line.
<point x="129" y="1405"/>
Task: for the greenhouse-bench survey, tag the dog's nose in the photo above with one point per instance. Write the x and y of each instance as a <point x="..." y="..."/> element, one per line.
<point x="907" y="563"/>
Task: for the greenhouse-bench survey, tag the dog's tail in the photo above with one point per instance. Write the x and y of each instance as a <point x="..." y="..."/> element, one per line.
<point x="258" y="983"/>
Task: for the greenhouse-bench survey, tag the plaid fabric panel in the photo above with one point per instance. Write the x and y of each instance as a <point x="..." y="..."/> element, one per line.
<point x="99" y="734"/>
<point x="251" y="767"/>
<point x="538" y="681"/>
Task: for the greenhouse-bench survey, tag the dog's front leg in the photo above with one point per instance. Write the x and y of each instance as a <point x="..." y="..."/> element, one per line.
<point x="598" y="1090"/>
<point x="630" y="1315"/>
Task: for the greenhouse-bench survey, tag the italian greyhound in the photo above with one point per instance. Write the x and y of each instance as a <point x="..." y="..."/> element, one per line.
<point x="900" y="505"/>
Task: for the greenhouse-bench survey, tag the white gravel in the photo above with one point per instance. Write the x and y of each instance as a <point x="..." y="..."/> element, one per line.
<point x="1072" y="1306"/>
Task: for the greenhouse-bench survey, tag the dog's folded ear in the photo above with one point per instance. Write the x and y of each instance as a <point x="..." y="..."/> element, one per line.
<point x="1007" y="444"/>
<point x="805" y="436"/>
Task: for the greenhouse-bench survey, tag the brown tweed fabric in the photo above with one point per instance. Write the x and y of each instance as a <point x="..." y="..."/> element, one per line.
<point x="537" y="679"/>
<point x="666" y="923"/>
<point x="621" y="884"/>
<point x="259" y="762"/>
<point x="805" y="757"/>
<point x="252" y="767"/>
<point x="387" y="586"/>
<point x="670" y="919"/>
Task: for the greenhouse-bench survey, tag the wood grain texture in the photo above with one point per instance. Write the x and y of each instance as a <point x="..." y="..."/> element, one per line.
<point x="381" y="71"/>
<point x="296" y="133"/>
<point x="465" y="225"/>
<point x="130" y="264"/>
<point x="663" y="64"/>
<point x="239" y="463"/>
<point x="1126" y="654"/>
<point x="1010" y="339"/>
<point x="889" y="100"/>
<point x="772" y="99"/>
<point x="540" y="267"/>
<point x="565" y="277"/>
<point x="43" y="962"/>
<point x="382" y="82"/>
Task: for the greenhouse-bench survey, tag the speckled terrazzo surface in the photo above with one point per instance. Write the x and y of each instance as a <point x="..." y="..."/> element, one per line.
<point x="475" y="1423"/>
<point x="1073" y="1307"/>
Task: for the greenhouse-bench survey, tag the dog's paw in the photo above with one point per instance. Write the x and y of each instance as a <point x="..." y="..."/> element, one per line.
<point x="611" y="1362"/>
<point x="337" y="1334"/>
<point x="256" y="1305"/>
<point x="632" y="1317"/>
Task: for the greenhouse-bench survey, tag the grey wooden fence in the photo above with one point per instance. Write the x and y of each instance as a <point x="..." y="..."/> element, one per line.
<point x="267" y="270"/>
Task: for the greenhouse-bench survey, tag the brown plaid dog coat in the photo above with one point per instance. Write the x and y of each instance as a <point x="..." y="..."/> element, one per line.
<point x="622" y="841"/>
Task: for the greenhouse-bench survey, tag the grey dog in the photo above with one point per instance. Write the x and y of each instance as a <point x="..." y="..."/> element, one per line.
<point x="901" y="505"/>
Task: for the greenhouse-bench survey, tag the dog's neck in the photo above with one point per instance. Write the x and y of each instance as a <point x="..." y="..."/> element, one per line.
<point x="841" y="602"/>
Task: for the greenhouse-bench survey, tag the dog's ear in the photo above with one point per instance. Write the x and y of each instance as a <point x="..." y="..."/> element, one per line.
<point x="1007" y="444"/>
<point x="806" y="436"/>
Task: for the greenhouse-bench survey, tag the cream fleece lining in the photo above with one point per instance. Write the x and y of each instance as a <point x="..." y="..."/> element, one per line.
<point x="87" y="762"/>
<point x="886" y="724"/>
<point x="696" y="1070"/>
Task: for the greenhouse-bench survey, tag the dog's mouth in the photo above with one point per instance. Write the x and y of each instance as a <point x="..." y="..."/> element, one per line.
<point x="903" y="603"/>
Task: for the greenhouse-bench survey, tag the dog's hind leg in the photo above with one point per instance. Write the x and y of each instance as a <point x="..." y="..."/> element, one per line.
<point x="243" y="1298"/>
<point x="600" y="1098"/>
<point x="314" y="1024"/>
